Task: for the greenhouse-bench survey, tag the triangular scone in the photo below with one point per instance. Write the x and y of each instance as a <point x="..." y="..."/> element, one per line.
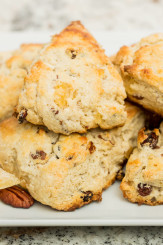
<point x="67" y="172"/>
<point x="141" y="66"/>
<point x="73" y="86"/>
<point x="13" y="69"/>
<point x="7" y="179"/>
<point x="143" y="181"/>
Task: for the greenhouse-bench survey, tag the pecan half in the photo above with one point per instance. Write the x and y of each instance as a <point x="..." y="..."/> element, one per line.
<point x="16" y="197"/>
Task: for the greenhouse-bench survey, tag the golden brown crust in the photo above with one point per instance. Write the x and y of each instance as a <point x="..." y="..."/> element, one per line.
<point x="132" y="195"/>
<point x="73" y="86"/>
<point x="141" y="67"/>
<point x="143" y="61"/>
<point x="67" y="172"/>
<point x="12" y="72"/>
<point x="143" y="181"/>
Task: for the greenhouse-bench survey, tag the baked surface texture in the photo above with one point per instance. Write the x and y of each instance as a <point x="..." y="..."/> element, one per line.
<point x="7" y="179"/>
<point x="67" y="172"/>
<point x="143" y="181"/>
<point x="13" y="69"/>
<point x="73" y="86"/>
<point x="141" y="66"/>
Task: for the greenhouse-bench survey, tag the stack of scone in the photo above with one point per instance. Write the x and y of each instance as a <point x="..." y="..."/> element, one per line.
<point x="72" y="130"/>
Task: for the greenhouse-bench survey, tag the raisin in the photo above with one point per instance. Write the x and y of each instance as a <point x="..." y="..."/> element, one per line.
<point x="152" y="140"/>
<point x="127" y="68"/>
<point x="138" y="97"/>
<point x="91" y="147"/>
<point x="120" y="175"/>
<point x="144" y="189"/>
<point x="69" y="158"/>
<point x="100" y="137"/>
<point x="22" y="116"/>
<point x="87" y="196"/>
<point x="73" y="54"/>
<point x="54" y="111"/>
<point x="39" y="155"/>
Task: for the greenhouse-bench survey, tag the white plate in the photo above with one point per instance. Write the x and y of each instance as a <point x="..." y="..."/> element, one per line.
<point x="114" y="209"/>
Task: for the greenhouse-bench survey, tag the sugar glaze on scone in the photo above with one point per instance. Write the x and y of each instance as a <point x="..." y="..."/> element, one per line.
<point x="73" y="86"/>
<point x="143" y="181"/>
<point x="67" y="172"/>
<point x="13" y="69"/>
<point x="141" y="66"/>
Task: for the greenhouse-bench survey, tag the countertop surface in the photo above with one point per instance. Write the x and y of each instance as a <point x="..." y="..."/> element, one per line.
<point x="82" y="235"/>
<point x="108" y="15"/>
<point x="95" y="14"/>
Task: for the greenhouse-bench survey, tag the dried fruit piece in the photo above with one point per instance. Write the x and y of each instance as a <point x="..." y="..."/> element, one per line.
<point x="91" y="147"/>
<point x="144" y="189"/>
<point x="152" y="140"/>
<point x="39" y="154"/>
<point x="22" y="116"/>
<point x="16" y="197"/>
<point x="69" y="158"/>
<point x="87" y="196"/>
<point x="55" y="111"/>
<point x="72" y="53"/>
<point x="120" y="175"/>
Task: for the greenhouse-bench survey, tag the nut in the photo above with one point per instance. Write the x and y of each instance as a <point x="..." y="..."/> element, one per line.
<point x="16" y="197"/>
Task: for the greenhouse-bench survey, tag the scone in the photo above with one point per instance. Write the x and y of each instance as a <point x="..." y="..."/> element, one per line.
<point x="143" y="181"/>
<point x="67" y="172"/>
<point x="141" y="66"/>
<point x="13" y="68"/>
<point x="7" y="179"/>
<point x="73" y="86"/>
